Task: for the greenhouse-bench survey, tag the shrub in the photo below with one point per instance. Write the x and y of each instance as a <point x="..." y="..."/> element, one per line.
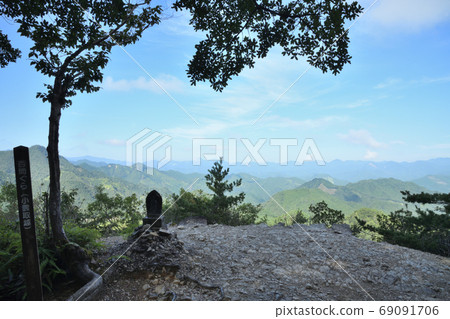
<point x="112" y="215"/>
<point x="186" y="204"/>
<point x="322" y="214"/>
<point x="426" y="230"/>
<point x="216" y="208"/>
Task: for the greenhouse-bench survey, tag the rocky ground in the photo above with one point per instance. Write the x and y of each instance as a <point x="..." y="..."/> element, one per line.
<point x="257" y="262"/>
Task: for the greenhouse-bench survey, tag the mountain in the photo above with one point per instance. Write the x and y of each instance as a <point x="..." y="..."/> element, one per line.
<point x="72" y="177"/>
<point x="124" y="180"/>
<point x="337" y="171"/>
<point x="436" y="183"/>
<point x="382" y="194"/>
<point x="291" y="192"/>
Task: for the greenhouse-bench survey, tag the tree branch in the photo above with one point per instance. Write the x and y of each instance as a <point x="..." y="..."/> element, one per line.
<point x="281" y="14"/>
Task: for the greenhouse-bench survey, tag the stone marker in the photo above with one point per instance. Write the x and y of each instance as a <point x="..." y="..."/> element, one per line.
<point x="27" y="226"/>
<point x="154" y="210"/>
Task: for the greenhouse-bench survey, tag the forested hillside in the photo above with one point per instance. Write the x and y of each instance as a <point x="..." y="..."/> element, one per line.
<point x="382" y="194"/>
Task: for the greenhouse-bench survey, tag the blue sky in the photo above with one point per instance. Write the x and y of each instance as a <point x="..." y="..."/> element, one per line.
<point x="391" y="103"/>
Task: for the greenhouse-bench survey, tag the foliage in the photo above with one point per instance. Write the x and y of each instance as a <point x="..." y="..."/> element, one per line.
<point x="186" y="204"/>
<point x="221" y="204"/>
<point x="219" y="207"/>
<point x="382" y="194"/>
<point x="112" y="215"/>
<point x="70" y="210"/>
<point x="244" y="214"/>
<point x="12" y="277"/>
<point x="85" y="237"/>
<point x="296" y="217"/>
<point x="261" y="220"/>
<point x="69" y="44"/>
<point x="300" y="217"/>
<point x="8" y="205"/>
<point x="322" y="214"/>
<point x="239" y="32"/>
<point x="426" y="230"/>
<point x="370" y="216"/>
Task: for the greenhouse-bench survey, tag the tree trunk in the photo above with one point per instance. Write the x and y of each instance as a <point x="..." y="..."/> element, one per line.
<point x="74" y="257"/>
<point x="59" y="236"/>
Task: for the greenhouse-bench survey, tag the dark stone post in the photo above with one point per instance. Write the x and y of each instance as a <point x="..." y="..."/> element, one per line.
<point x="154" y="210"/>
<point x="27" y="225"/>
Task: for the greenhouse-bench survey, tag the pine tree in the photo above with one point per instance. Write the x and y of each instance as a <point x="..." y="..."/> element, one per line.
<point x="222" y="204"/>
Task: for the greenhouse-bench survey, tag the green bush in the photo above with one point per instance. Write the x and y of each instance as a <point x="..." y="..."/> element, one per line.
<point x="300" y="217"/>
<point x="216" y="208"/>
<point x="427" y="230"/>
<point x="12" y="277"/>
<point x="186" y="204"/>
<point x="85" y="237"/>
<point x="322" y="214"/>
<point x="370" y="216"/>
<point x="112" y="215"/>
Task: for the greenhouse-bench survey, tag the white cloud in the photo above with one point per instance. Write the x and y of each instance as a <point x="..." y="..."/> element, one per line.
<point x="276" y="121"/>
<point x="211" y="130"/>
<point x="370" y="155"/>
<point x="388" y="83"/>
<point x="409" y="15"/>
<point x="437" y="146"/>
<point x="358" y="103"/>
<point x="167" y="82"/>
<point x="361" y="137"/>
<point x="428" y="80"/>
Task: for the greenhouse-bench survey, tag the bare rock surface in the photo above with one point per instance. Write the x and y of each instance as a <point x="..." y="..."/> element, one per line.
<point x="257" y="262"/>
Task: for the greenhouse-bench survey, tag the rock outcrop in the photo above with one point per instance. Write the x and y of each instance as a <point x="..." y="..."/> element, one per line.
<point x="258" y="262"/>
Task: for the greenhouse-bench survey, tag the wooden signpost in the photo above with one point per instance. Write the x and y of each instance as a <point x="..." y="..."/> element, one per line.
<point x="27" y="225"/>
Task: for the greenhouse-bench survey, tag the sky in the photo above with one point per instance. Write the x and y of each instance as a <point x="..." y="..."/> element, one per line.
<point x="392" y="103"/>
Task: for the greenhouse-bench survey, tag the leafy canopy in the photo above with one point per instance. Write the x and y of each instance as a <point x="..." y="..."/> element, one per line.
<point x="72" y="39"/>
<point x="426" y="229"/>
<point x="322" y="214"/>
<point x="218" y="207"/>
<point x="238" y="32"/>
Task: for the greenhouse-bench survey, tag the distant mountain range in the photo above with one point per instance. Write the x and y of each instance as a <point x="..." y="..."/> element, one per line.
<point x="292" y="192"/>
<point x="434" y="173"/>
<point x="126" y="180"/>
<point x="381" y="194"/>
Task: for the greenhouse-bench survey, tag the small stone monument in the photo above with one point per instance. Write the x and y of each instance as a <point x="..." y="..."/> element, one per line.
<point x="153" y="203"/>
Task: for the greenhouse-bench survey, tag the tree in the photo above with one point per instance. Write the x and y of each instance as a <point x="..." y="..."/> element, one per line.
<point x="322" y="214"/>
<point x="218" y="207"/>
<point x="238" y="32"/>
<point x="71" y="44"/>
<point x="72" y="41"/>
<point x="112" y="215"/>
<point x="427" y="229"/>
<point x="300" y="217"/>
<point x="222" y="203"/>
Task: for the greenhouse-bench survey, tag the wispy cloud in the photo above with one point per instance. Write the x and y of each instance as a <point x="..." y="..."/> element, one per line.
<point x="370" y="155"/>
<point x="432" y="80"/>
<point x="358" y="103"/>
<point x="390" y="82"/>
<point x="276" y="121"/>
<point x="362" y="137"/>
<point x="409" y="15"/>
<point x="441" y="146"/>
<point x="168" y="82"/>
<point x="211" y="130"/>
